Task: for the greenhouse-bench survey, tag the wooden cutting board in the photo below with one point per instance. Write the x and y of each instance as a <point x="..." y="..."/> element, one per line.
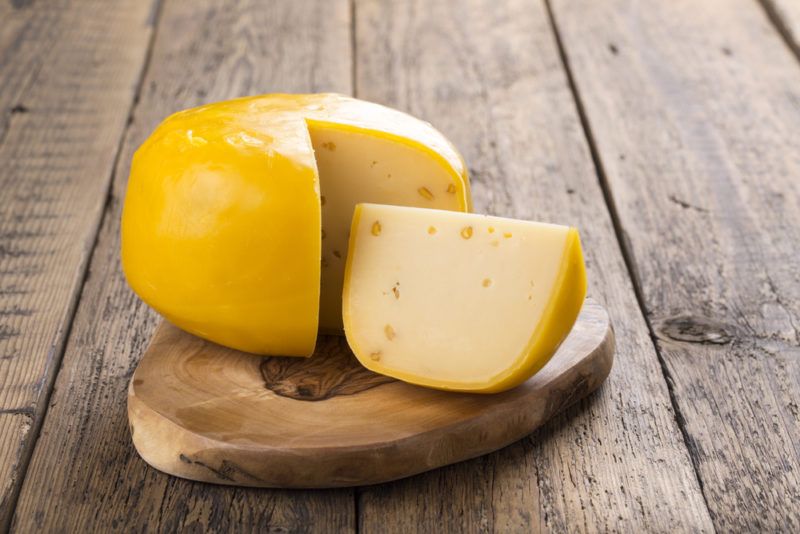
<point x="204" y="412"/>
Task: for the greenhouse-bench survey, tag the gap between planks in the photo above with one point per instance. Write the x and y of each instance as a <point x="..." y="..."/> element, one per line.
<point x="32" y="437"/>
<point x="357" y="524"/>
<point x="784" y="23"/>
<point x="499" y="105"/>
<point x="625" y="249"/>
<point x="299" y="67"/>
<point x="735" y="388"/>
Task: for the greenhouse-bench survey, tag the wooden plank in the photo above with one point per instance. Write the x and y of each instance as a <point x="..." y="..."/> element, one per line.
<point x="85" y="475"/>
<point x="489" y="75"/>
<point x="27" y="32"/>
<point x="69" y="72"/>
<point x="785" y="14"/>
<point x="695" y="112"/>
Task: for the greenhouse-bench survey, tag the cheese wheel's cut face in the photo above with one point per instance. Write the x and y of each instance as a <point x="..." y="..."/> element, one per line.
<point x="459" y="301"/>
<point x="223" y="219"/>
<point x="358" y="167"/>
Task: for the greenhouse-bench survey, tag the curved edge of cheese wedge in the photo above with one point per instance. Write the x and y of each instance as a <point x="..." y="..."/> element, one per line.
<point x="222" y="216"/>
<point x="563" y="308"/>
<point x="456" y="301"/>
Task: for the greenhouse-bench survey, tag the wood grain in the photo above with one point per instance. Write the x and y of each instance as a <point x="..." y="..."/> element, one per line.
<point x="694" y="111"/>
<point x="84" y="474"/>
<point x="488" y="74"/>
<point x="204" y="412"/>
<point x="785" y="15"/>
<point x="68" y="71"/>
<point x="331" y="373"/>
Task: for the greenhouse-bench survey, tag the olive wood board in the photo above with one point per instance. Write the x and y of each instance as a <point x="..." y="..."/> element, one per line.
<point x="203" y="412"/>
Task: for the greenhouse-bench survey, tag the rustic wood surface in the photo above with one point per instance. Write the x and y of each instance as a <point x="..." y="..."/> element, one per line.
<point x="666" y="131"/>
<point x="68" y="73"/>
<point x="204" y="412"/>
<point x="203" y="51"/>
<point x="694" y="109"/>
<point x="618" y="461"/>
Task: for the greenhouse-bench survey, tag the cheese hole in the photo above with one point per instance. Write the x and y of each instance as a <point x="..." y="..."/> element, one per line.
<point x="425" y="193"/>
<point x="487" y="282"/>
<point x="466" y="232"/>
<point x="389" y="331"/>
<point x="431" y="230"/>
<point x="376" y="228"/>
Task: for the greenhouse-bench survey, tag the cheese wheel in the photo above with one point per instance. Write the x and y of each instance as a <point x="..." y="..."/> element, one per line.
<point x="236" y="210"/>
<point x="459" y="301"/>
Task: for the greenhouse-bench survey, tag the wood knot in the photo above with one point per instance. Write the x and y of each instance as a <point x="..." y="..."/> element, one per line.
<point x="332" y="370"/>
<point x="696" y="329"/>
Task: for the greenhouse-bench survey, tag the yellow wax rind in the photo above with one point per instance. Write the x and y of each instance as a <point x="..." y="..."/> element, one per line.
<point x="224" y="242"/>
<point x="558" y="319"/>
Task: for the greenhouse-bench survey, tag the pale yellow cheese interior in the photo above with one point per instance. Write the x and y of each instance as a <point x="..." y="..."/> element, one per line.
<point x="450" y="300"/>
<point x="358" y="166"/>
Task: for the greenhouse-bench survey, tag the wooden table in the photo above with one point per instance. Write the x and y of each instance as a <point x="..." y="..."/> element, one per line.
<point x="668" y="132"/>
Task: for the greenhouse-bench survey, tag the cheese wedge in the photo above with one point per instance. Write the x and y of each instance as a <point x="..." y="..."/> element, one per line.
<point x="459" y="301"/>
<point x="224" y="231"/>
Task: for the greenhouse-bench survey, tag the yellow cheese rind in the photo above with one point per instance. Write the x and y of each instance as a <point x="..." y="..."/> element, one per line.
<point x="456" y="301"/>
<point x="223" y="240"/>
<point x="221" y="228"/>
<point x="559" y="317"/>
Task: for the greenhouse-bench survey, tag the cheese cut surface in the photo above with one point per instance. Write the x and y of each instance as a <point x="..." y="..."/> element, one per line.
<point x="459" y="301"/>
<point x="358" y="166"/>
<point x="222" y="223"/>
